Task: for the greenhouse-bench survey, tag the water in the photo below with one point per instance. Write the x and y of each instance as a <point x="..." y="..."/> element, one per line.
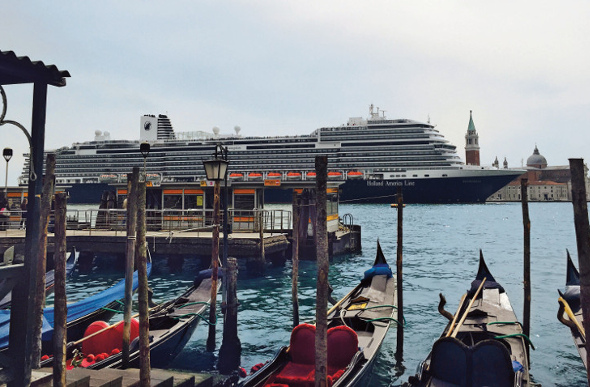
<point x="441" y="250"/>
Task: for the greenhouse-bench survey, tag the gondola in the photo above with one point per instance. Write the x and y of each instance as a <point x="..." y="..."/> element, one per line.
<point x="570" y="308"/>
<point x="100" y="306"/>
<point x="171" y="325"/>
<point x="483" y="344"/>
<point x="6" y="286"/>
<point x="357" y="325"/>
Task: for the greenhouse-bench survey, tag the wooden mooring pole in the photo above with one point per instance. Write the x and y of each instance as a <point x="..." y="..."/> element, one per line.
<point x="526" y="318"/>
<point x="131" y="216"/>
<point x="399" y="353"/>
<point x="60" y="300"/>
<point x="231" y="347"/>
<point x="39" y="296"/>
<point x="323" y="265"/>
<point x="295" y="258"/>
<point x="214" y="269"/>
<point x="142" y="295"/>
<point x="579" y="201"/>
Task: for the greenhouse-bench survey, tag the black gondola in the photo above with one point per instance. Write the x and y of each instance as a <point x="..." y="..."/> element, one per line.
<point x="171" y="325"/>
<point x="483" y="344"/>
<point x="357" y="325"/>
<point x="570" y="308"/>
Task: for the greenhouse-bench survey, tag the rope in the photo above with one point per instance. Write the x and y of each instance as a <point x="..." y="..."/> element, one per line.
<point x="387" y="319"/>
<point x="111" y="310"/>
<point x="516" y="335"/>
<point x="193" y="303"/>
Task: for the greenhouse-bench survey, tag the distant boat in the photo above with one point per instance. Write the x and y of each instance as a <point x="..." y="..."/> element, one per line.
<point x="274" y="175"/>
<point x="236" y="176"/>
<point x="311" y="175"/>
<point x="254" y="176"/>
<point x="334" y="175"/>
<point x="355" y="175"/>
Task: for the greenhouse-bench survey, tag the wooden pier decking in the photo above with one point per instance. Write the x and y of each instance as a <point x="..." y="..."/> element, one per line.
<point x="81" y="377"/>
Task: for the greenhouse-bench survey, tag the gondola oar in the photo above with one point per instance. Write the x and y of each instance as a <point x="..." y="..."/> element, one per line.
<point x="572" y="317"/>
<point x="468" y="308"/>
<point x="456" y="315"/>
<point x="343" y="299"/>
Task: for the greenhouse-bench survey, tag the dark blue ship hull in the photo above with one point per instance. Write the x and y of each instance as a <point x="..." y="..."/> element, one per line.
<point x="427" y="191"/>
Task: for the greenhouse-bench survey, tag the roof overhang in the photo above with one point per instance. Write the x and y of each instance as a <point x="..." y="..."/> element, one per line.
<point x="20" y="69"/>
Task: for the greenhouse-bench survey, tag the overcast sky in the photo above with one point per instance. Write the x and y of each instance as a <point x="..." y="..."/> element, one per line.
<point x="278" y="67"/>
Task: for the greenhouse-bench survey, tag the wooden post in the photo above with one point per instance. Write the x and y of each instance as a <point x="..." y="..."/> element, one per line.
<point x="39" y="297"/>
<point x="295" y="258"/>
<point x="214" y="268"/>
<point x="526" y="318"/>
<point x="231" y="347"/>
<point x="142" y="296"/>
<point x="60" y="301"/>
<point x="131" y="216"/>
<point x="22" y="312"/>
<point x="399" y="353"/>
<point x="323" y="264"/>
<point x="580" y="204"/>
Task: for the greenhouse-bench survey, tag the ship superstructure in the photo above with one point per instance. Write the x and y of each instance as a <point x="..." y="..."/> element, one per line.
<point x="373" y="155"/>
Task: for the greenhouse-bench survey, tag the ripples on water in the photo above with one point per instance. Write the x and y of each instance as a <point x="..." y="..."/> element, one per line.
<point x="441" y="249"/>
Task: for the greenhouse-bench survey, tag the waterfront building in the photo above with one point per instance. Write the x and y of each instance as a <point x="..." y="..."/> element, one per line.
<point x="545" y="183"/>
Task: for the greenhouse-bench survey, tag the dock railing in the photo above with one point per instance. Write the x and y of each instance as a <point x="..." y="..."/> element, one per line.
<point x="166" y="220"/>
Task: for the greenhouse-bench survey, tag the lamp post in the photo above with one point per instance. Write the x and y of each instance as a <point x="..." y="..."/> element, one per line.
<point x="215" y="169"/>
<point x="144" y="148"/>
<point x="7" y="153"/>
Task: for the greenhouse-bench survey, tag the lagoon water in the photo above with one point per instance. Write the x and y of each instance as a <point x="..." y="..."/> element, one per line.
<point x="441" y="248"/>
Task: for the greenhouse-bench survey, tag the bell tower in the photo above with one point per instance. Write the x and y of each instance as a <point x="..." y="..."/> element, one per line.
<point x="471" y="143"/>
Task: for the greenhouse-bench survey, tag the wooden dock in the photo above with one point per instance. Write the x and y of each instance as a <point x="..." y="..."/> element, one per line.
<point x="82" y="377"/>
<point x="198" y="243"/>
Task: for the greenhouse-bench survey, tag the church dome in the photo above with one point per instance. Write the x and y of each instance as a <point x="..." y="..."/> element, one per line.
<point x="536" y="160"/>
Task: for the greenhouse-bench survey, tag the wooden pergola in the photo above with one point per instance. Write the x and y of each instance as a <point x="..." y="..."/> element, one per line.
<point x="17" y="367"/>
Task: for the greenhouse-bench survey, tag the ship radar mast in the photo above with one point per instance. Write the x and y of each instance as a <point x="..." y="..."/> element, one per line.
<point x="374" y="115"/>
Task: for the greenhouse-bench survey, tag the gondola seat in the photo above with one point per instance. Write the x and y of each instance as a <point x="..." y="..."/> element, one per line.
<point x="491" y="364"/>
<point x="450" y="361"/>
<point x="107" y="340"/>
<point x="300" y="370"/>
<point x="342" y="346"/>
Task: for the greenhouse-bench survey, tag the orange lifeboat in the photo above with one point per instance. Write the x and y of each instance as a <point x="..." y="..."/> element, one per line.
<point x="254" y="176"/>
<point x="294" y="175"/>
<point x="355" y="174"/>
<point x="273" y="175"/>
<point x="334" y="175"/>
<point x="236" y="176"/>
<point x="311" y="175"/>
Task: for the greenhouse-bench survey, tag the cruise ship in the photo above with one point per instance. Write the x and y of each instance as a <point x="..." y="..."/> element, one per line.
<point x="372" y="156"/>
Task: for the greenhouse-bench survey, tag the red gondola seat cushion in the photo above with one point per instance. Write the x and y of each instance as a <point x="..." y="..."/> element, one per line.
<point x="342" y="346"/>
<point x="300" y="370"/>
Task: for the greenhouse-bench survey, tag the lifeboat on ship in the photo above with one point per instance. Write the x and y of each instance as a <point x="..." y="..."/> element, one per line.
<point x="108" y="178"/>
<point x="274" y="175"/>
<point x="334" y="175"/>
<point x="311" y="175"/>
<point x="355" y="174"/>
<point x="294" y="175"/>
<point x="236" y="176"/>
<point x="254" y="176"/>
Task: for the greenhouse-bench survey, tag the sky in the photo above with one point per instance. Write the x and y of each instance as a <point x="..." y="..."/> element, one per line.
<point x="285" y="67"/>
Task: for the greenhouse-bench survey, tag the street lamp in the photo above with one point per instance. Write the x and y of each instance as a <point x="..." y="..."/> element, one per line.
<point x="216" y="170"/>
<point x="7" y="153"/>
<point x="144" y="148"/>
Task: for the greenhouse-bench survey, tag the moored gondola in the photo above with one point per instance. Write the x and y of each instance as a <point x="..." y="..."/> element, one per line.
<point x="357" y="326"/>
<point x="171" y="325"/>
<point x="483" y="344"/>
<point x="570" y="308"/>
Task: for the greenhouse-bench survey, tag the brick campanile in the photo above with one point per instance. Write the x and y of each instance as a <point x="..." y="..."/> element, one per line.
<point x="471" y="143"/>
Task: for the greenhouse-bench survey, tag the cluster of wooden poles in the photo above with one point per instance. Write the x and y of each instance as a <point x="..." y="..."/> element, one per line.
<point x="136" y="256"/>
